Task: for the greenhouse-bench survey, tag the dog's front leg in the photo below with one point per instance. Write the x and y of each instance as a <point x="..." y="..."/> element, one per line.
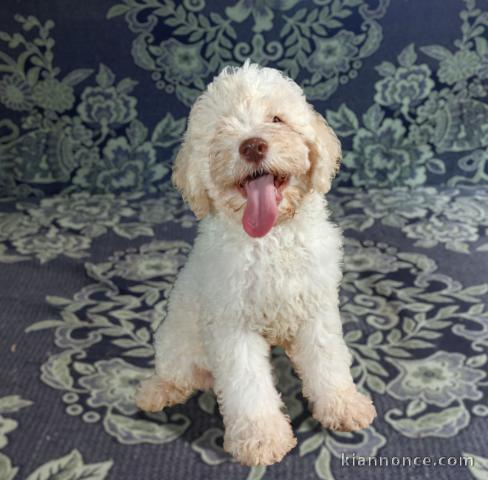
<point x="256" y="430"/>
<point x="322" y="360"/>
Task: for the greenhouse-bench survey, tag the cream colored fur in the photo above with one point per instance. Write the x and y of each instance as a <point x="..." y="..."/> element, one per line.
<point x="238" y="294"/>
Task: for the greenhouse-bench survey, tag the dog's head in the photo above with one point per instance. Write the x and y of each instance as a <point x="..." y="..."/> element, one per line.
<point x="254" y="148"/>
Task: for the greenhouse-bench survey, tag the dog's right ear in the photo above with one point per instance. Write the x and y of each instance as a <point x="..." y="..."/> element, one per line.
<point x="187" y="179"/>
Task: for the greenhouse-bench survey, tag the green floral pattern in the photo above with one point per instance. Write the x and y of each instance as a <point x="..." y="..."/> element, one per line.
<point x="441" y="379"/>
<point x="455" y="218"/>
<point x="427" y="122"/>
<point x="76" y="139"/>
<point x="311" y="39"/>
<point x="15" y="93"/>
<point x="67" y="224"/>
<point x="82" y="130"/>
<point x="397" y="309"/>
<point x="127" y="321"/>
<point x="89" y="126"/>
<point x="69" y="466"/>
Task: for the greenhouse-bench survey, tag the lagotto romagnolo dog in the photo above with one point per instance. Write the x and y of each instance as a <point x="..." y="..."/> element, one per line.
<point x="265" y="268"/>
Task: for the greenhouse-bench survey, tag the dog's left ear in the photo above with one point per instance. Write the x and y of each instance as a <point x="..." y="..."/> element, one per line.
<point x="325" y="154"/>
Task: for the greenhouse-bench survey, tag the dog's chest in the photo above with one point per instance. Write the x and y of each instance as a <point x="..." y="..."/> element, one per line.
<point x="273" y="284"/>
<point x="276" y="289"/>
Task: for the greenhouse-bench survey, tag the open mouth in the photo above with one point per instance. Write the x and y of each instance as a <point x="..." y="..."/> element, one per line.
<point x="280" y="181"/>
<point x="263" y="192"/>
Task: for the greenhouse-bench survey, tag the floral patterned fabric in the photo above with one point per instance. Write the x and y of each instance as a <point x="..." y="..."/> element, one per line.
<point x="93" y="102"/>
<point x="411" y="110"/>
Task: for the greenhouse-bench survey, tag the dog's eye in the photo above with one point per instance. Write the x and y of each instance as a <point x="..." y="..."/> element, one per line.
<point x="277" y="120"/>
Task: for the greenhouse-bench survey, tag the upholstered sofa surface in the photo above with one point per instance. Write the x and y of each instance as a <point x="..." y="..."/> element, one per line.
<point x="94" y="97"/>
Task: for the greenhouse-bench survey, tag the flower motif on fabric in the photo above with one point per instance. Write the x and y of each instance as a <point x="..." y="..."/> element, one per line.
<point x="126" y="167"/>
<point x="384" y="157"/>
<point x="429" y="234"/>
<point x="106" y="107"/>
<point x="439" y="379"/>
<point x="138" y="267"/>
<point x="180" y="62"/>
<point x="81" y="212"/>
<point x="333" y="55"/>
<point x="15" y="93"/>
<point x="51" y="94"/>
<point x="47" y="246"/>
<point x="114" y="385"/>
<point x="405" y="87"/>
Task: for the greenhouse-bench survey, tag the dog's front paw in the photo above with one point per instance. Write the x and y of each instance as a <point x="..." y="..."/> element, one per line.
<point x="345" y="410"/>
<point x="261" y="441"/>
<point x="154" y="394"/>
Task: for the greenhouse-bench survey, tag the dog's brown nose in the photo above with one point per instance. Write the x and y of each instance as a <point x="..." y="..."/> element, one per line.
<point x="253" y="149"/>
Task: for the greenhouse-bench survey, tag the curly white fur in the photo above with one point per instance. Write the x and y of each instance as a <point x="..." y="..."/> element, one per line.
<point x="237" y="295"/>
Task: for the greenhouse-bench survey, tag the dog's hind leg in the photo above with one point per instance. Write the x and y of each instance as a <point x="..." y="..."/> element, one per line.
<point x="180" y="364"/>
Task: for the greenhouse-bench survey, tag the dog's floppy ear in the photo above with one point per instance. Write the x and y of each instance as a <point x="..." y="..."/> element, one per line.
<point x="325" y="154"/>
<point x="187" y="179"/>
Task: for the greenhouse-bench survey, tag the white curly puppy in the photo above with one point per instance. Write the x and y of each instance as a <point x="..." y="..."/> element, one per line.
<point x="264" y="270"/>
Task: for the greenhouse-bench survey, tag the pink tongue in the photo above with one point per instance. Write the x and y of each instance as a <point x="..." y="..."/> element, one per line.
<point x="261" y="209"/>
